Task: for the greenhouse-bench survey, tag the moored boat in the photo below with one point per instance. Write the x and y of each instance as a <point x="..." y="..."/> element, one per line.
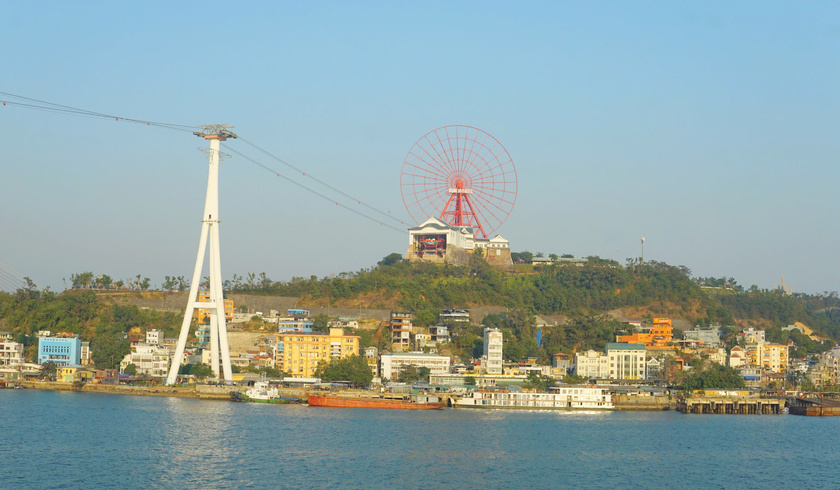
<point x="413" y="402"/>
<point x="262" y="392"/>
<point x="562" y="398"/>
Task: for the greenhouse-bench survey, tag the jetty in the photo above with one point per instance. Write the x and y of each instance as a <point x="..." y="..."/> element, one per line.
<point x="736" y="403"/>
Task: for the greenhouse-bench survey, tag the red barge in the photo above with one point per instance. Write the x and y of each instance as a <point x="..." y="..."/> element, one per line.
<point x="416" y="402"/>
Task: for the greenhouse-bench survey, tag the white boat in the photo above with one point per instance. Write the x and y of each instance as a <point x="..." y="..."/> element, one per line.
<point x="262" y="392"/>
<point x="562" y="398"/>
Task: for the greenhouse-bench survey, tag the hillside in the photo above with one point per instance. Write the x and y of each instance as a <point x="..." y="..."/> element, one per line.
<point x="583" y="304"/>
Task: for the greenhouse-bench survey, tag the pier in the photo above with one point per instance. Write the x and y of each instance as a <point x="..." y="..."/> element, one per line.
<point x="740" y="405"/>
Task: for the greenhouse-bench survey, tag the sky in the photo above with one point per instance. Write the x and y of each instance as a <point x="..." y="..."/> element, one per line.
<point x="709" y="128"/>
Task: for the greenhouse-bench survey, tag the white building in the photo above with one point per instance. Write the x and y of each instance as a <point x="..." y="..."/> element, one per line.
<point x="621" y="361"/>
<point x="392" y="363"/>
<point x="438" y="241"/>
<point x="11" y="353"/>
<point x="148" y="359"/>
<point x="154" y="337"/>
<point x="493" y="344"/>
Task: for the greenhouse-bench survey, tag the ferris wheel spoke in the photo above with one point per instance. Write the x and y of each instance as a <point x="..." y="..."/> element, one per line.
<point x="444" y="163"/>
<point x="450" y="163"/>
<point x="489" y="205"/>
<point x="439" y="164"/>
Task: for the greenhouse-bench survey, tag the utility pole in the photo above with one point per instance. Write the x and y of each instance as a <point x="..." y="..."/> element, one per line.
<point x="215" y="134"/>
<point x="643" y="250"/>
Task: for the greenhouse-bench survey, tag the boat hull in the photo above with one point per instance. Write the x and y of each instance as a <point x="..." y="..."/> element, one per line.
<point x="342" y="402"/>
<point x="278" y="400"/>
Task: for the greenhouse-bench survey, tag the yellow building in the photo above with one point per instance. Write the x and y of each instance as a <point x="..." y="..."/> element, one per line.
<point x="773" y="357"/>
<point x="203" y="316"/>
<point x="301" y="352"/>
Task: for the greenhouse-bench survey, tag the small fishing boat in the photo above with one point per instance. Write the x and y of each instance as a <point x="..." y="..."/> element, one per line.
<point x="262" y="392"/>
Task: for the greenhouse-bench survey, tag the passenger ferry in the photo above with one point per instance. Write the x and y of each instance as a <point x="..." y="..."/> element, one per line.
<point x="560" y="398"/>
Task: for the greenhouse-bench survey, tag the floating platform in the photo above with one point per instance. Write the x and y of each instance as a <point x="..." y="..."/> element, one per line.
<point x="815" y="407"/>
<point x="732" y="405"/>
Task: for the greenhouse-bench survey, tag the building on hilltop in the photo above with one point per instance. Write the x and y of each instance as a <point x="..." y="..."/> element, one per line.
<point x="436" y="241"/>
<point x="60" y="350"/>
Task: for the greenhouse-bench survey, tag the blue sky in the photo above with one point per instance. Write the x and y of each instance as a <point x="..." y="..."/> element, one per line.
<point x="709" y="128"/>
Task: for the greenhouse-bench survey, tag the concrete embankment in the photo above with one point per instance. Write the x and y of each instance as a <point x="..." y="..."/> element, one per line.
<point x="631" y="402"/>
<point x="204" y="392"/>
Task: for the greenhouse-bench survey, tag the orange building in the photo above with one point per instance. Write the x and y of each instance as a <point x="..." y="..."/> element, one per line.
<point x="656" y="336"/>
<point x="203" y="316"/>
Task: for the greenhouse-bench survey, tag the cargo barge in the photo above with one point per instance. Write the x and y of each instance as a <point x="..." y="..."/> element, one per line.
<point x="414" y="402"/>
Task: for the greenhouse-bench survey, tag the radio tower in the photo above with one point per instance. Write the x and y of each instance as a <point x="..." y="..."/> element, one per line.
<point x="215" y="134"/>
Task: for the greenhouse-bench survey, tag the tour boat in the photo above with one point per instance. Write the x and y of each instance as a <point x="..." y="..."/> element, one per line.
<point x="562" y="398"/>
<point x="413" y="402"/>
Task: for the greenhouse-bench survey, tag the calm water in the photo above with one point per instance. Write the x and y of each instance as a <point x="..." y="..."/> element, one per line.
<point x="81" y="440"/>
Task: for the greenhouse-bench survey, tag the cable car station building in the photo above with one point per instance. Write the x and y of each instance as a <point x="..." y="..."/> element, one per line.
<point x="436" y="241"/>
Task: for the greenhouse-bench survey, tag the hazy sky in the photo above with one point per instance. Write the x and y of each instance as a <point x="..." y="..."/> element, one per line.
<point x="710" y="128"/>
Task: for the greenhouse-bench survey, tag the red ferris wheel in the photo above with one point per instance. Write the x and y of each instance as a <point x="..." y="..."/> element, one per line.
<point x="461" y="175"/>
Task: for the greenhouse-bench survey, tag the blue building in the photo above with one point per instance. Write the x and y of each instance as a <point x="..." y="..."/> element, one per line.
<point x="60" y="350"/>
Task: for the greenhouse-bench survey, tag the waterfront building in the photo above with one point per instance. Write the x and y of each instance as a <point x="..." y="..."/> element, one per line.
<point x="562" y="364"/>
<point x="300" y="353"/>
<point x="151" y="360"/>
<point x="85" y="356"/>
<point x="626" y="361"/>
<point x="621" y="361"/>
<point x="393" y="363"/>
<point x="493" y="345"/>
<point x="71" y="373"/>
<point x="60" y="350"/>
<point x="11" y="353"/>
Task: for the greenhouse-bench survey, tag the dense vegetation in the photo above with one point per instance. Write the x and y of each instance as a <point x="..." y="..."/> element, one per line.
<point x="581" y="294"/>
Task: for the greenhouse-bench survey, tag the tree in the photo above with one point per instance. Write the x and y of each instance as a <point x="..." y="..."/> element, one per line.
<point x="200" y="371"/>
<point x="48" y="371"/>
<point x="353" y="369"/>
<point x="321" y="322"/>
<point x="109" y="351"/>
<point x="389" y="259"/>
<point x="539" y="382"/>
<point x="131" y="369"/>
<point x="408" y="374"/>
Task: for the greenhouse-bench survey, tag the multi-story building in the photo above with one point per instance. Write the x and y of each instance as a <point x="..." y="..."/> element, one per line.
<point x="656" y="336"/>
<point x="300" y="353"/>
<point x="493" y="346"/>
<point x="11" y="353"/>
<point x="772" y="357"/>
<point x="85" y="356"/>
<point x="738" y="357"/>
<point x="626" y="361"/>
<point x="60" y="350"/>
<point x="401" y="328"/>
<point x="751" y="336"/>
<point x="439" y="333"/>
<point x="454" y="316"/>
<point x="393" y="363"/>
<point x="705" y="336"/>
<point x="621" y="361"/>
<point x="591" y="364"/>
<point x="150" y="360"/>
<point x="372" y="359"/>
<point x="203" y="316"/>
<point x="154" y="337"/>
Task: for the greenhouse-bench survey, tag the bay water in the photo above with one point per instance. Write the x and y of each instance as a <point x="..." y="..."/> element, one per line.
<point x="86" y="440"/>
